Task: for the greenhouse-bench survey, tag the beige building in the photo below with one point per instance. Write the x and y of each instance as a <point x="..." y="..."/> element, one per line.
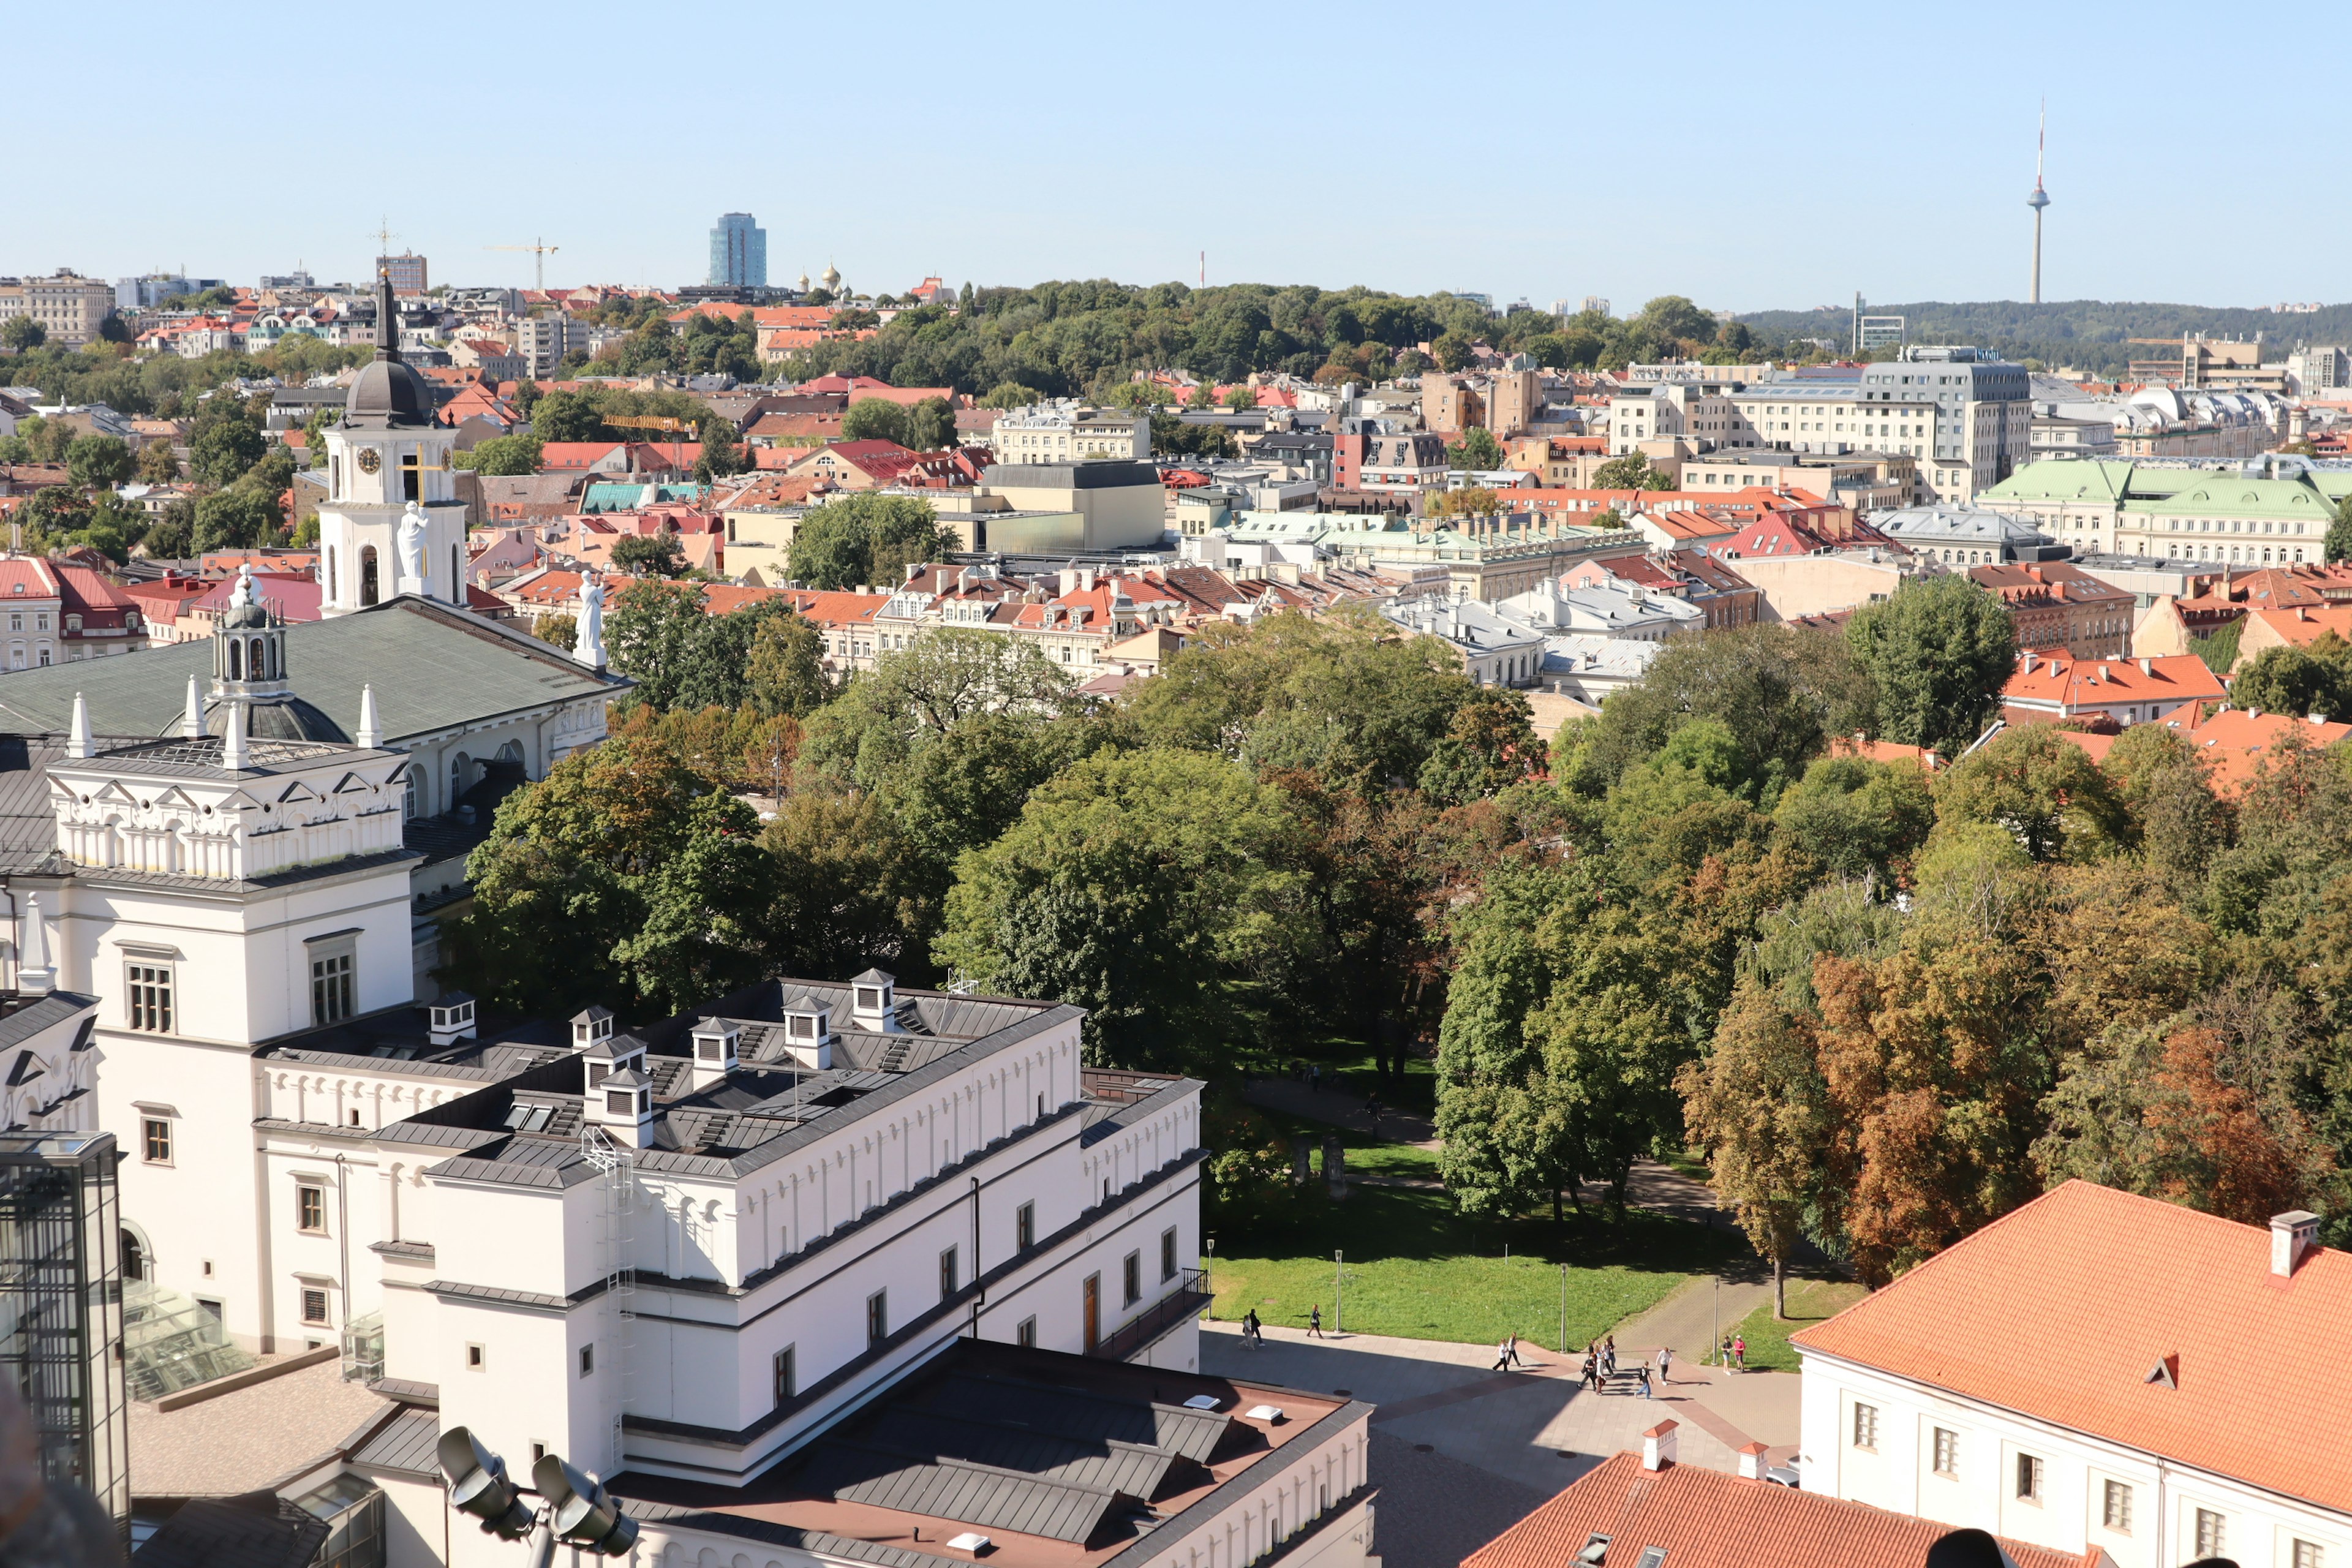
<point x="1792" y="586"/>
<point x="1706" y="415"/>
<point x="1865" y="480"/>
<point x="1068" y="431"/>
<point x="1506" y="402"/>
<point x="1115" y="506"/>
<point x="69" y="306"/>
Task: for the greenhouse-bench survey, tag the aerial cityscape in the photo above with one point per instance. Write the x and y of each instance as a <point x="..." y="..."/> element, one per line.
<point x="1159" y="868"/>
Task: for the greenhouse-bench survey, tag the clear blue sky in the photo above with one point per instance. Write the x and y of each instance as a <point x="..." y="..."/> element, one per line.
<point x="1747" y="156"/>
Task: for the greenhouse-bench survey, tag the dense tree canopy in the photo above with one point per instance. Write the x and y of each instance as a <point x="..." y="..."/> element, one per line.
<point x="866" y="538"/>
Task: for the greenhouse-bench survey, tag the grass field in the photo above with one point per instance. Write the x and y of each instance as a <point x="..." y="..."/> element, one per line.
<point x="1418" y="1270"/>
<point x="1810" y="1301"/>
<point x="1367" y="1155"/>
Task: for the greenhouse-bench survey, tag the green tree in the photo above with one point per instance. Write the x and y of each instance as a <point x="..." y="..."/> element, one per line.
<point x="566" y="416"/>
<point x="659" y="554"/>
<point x="157" y="464"/>
<point x="225" y="447"/>
<point x="2313" y="681"/>
<point x="99" y="460"/>
<point x="876" y="419"/>
<point x="1478" y="451"/>
<point x="1861" y="819"/>
<point x="722" y="453"/>
<point x="624" y="878"/>
<point x="884" y="715"/>
<point x="2042" y="789"/>
<point x="1629" y="473"/>
<point x="561" y="631"/>
<point x="1241" y="399"/>
<point x="1203" y="397"/>
<point x="786" y="672"/>
<point x="507" y="455"/>
<point x="843" y="894"/>
<point x="23" y="334"/>
<point x="525" y="396"/>
<point x="173" y="537"/>
<point x="238" y="518"/>
<point x="1011" y="395"/>
<point x="931" y="425"/>
<point x="1146" y="887"/>
<point x="866" y="537"/>
<point x="1453" y="349"/>
<point x="2339" y="532"/>
<point x="1939" y="651"/>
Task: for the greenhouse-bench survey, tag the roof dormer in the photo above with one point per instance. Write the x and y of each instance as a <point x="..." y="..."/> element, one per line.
<point x="623" y="1104"/>
<point x="873" y="1001"/>
<point x="808" y="1032"/>
<point x="717" y="1046"/>
<point x="591" y="1027"/>
<point x="613" y="1055"/>
<point x="452" y="1018"/>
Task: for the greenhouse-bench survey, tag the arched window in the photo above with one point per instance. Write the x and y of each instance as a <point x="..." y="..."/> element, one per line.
<point x="332" y="593"/>
<point x="367" y="575"/>
<point x="235" y="660"/>
<point x="134" y="1258"/>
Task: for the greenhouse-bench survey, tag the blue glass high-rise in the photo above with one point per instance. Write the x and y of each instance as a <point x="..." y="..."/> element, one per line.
<point x="739" y="251"/>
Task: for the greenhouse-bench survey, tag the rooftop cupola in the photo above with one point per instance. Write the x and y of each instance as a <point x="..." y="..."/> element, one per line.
<point x="623" y="1103"/>
<point x="611" y="1054"/>
<point x="873" y="1001"/>
<point x="716" y="1042"/>
<point x="588" y="1028"/>
<point x="452" y="1018"/>
<point x="808" y="1032"/>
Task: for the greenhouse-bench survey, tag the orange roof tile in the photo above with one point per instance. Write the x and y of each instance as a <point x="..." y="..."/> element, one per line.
<point x="2112" y="1283"/>
<point x="1705" y="1519"/>
<point x="2064" y="684"/>
<point x="2236" y="742"/>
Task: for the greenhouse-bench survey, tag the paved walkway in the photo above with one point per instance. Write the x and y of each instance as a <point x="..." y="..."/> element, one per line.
<point x="1340" y="1108"/>
<point x="1521" y="1434"/>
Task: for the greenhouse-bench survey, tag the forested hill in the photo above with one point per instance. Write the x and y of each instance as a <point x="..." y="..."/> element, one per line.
<point x="2088" y="334"/>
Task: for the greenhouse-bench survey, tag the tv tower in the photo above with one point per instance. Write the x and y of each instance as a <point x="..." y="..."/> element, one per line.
<point x="2039" y="199"/>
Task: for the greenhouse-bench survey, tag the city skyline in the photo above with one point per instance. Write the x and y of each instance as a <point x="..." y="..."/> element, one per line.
<point x="1753" y="204"/>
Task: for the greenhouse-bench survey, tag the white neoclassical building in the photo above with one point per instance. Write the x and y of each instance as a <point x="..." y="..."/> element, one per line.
<point x="2101" y="1373"/>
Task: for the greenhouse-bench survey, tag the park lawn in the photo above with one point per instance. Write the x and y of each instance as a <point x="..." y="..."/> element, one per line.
<point x="1416" y="1269"/>
<point x="1810" y="1301"/>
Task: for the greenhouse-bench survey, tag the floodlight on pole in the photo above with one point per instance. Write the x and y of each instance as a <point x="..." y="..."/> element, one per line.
<point x="580" y="1512"/>
<point x="574" y="1510"/>
<point x="478" y="1485"/>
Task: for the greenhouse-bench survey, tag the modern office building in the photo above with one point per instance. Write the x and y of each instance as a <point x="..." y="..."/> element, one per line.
<point x="406" y="270"/>
<point x="739" y="251"/>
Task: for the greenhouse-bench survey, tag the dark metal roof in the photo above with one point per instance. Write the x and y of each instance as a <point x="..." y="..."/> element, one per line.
<point x="433" y="668"/>
<point x="403" y="1444"/>
<point x="22" y="1022"/>
<point x="255" y="1531"/>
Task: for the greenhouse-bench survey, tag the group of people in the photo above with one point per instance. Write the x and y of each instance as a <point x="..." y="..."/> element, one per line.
<point x="1253" y="1332"/>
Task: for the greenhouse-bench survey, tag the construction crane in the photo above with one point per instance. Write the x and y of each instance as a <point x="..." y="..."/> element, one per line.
<point x="678" y="429"/>
<point x="539" y="252"/>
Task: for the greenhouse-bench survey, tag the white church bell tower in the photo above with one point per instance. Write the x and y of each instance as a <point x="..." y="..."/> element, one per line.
<point x="393" y="522"/>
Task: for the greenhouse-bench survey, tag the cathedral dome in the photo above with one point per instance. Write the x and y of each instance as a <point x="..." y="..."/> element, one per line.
<point x="287" y="719"/>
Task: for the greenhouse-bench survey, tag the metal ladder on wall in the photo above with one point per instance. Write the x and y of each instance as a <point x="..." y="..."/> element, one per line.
<point x="620" y="1278"/>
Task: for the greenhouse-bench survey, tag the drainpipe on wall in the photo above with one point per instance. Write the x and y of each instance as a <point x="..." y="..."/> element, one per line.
<point x="976" y="1292"/>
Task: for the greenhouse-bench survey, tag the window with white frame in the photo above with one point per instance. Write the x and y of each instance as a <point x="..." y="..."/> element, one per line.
<point x="333" y="982"/>
<point x="1946" y="1452"/>
<point x="2115" y="1507"/>
<point x="2213" y="1533"/>
<point x="1865" y="1426"/>
<point x="148" y="990"/>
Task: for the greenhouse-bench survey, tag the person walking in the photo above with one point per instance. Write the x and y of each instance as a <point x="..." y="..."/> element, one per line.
<point x="1590" y="1378"/>
<point x="1503" y="1356"/>
<point x="1665" y="1363"/>
<point x="1511" y="1348"/>
<point x="1609" y="1355"/>
<point x="1252" y="1330"/>
<point x="1315" y="1321"/>
<point x="1315" y="1077"/>
<point x="1740" y="1351"/>
<point x="1645" y="1382"/>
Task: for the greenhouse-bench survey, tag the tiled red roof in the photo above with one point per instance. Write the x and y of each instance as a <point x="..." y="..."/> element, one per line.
<point x="1705" y="1519"/>
<point x="2064" y="683"/>
<point x="2113" y="1284"/>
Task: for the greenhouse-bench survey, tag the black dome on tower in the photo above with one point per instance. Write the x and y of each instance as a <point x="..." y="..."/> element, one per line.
<point x="388" y="394"/>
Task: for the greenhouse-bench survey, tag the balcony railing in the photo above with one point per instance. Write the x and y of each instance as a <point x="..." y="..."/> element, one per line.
<point x="1185" y="1299"/>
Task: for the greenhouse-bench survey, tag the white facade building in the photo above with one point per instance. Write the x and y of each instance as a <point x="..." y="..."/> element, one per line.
<point x="1068" y="431"/>
<point x="2146" y="1412"/>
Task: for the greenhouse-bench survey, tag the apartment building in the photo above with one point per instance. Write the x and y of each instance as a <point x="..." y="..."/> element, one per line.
<point x="542" y="341"/>
<point x="69" y="306"/>
<point x="2152" y="1437"/>
<point x="1964" y="417"/>
<point x="2056" y="605"/>
<point x="1706" y="415"/>
<point x="1504" y="401"/>
<point x="1377" y="454"/>
<point x="1068" y="431"/>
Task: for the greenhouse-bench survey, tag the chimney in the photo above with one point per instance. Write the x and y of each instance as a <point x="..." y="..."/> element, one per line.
<point x="2293" y="1234"/>
<point x="1658" y="1445"/>
<point x="1067" y="580"/>
<point x="2302" y="613"/>
<point x="715" y="1051"/>
<point x="2028" y="664"/>
<point x="452" y="1019"/>
<point x="1751" y="1462"/>
<point x="2147" y="667"/>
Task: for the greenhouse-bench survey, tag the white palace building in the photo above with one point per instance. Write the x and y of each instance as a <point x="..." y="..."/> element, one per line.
<point x="821" y="1271"/>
